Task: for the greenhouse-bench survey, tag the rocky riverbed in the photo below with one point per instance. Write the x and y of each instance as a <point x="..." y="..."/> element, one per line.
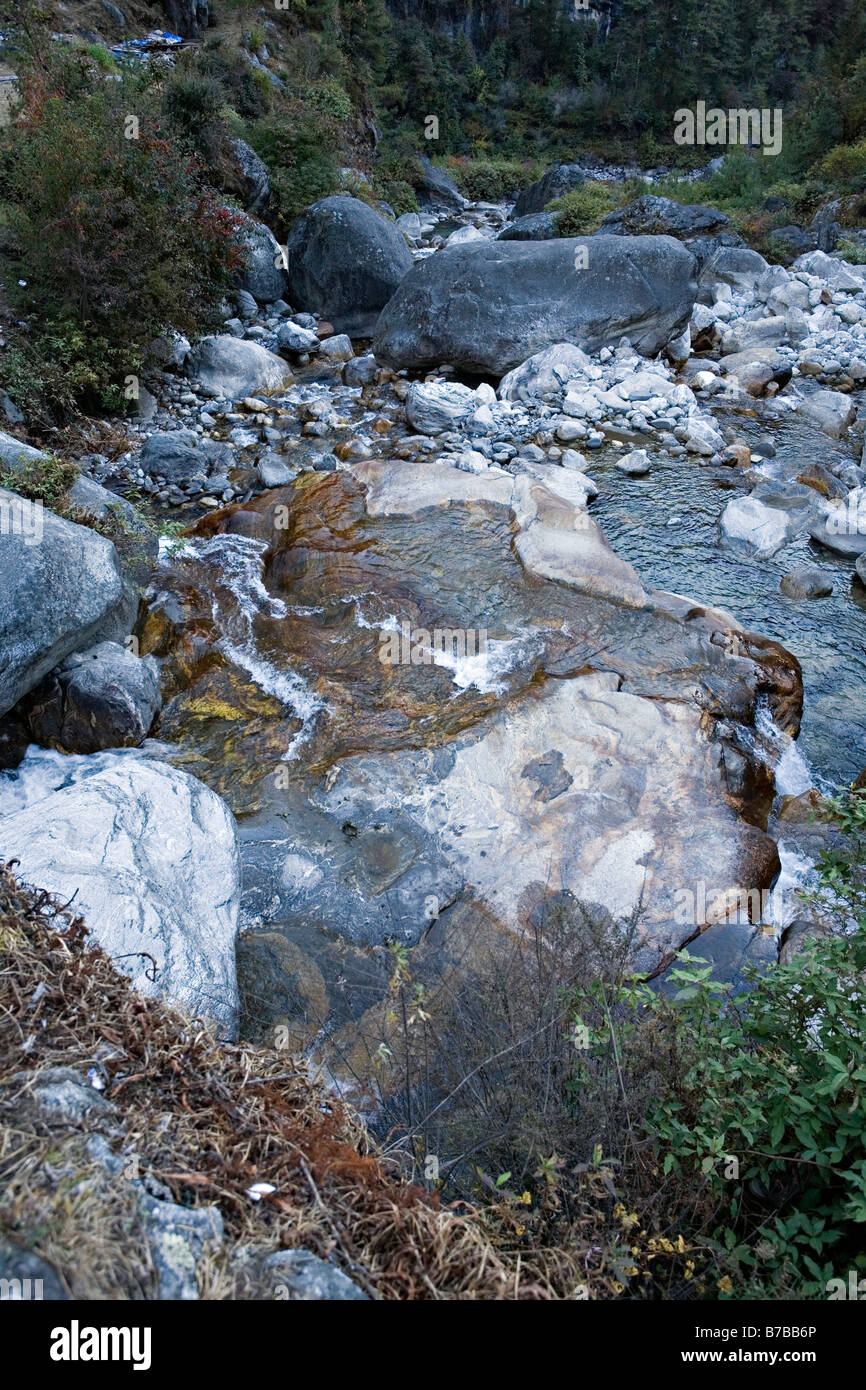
<point x="511" y="570"/>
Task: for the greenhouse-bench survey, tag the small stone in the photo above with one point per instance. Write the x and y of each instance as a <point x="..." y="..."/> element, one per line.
<point x="804" y="581"/>
<point x="635" y="464"/>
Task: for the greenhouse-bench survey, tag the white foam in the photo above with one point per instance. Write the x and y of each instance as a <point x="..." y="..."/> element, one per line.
<point x="792" y="772"/>
<point x="797" y="872"/>
<point x="486" y="670"/>
<point x="238" y="562"/>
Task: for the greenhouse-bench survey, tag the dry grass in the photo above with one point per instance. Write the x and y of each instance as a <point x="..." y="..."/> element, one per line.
<point x="206" y="1119"/>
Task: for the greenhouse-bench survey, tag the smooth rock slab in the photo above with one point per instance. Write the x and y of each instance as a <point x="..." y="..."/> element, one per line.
<point x="150" y="857"/>
<point x="602" y="831"/>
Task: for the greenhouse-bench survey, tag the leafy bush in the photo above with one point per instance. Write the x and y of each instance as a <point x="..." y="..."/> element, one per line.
<point x="328" y="97"/>
<point x="399" y="195"/>
<point x="246" y="88"/>
<point x="114" y="235"/>
<point x="491" y="180"/>
<point x="44" y="480"/>
<point x="852" y="252"/>
<point x="64" y="367"/>
<point x="582" y="210"/>
<point x="774" y="1080"/>
<point x="844" y="164"/>
<point x="300" y="150"/>
<point x="193" y="105"/>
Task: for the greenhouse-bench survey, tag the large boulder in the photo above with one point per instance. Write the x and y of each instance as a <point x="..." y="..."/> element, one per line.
<point x="263" y="275"/>
<point x="654" y="216"/>
<point x="561" y="179"/>
<point x="538" y="226"/>
<point x="436" y="190"/>
<point x="345" y="262"/>
<point x="486" y="308"/>
<point x="737" y="266"/>
<point x="106" y="697"/>
<point x="149" y="855"/>
<point x="61" y="589"/>
<point x="236" y="367"/>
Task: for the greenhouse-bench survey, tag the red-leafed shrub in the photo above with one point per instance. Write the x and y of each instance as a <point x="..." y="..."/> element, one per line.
<point x="109" y="224"/>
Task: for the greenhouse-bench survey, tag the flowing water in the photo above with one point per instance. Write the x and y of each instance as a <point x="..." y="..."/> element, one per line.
<point x="667" y="525"/>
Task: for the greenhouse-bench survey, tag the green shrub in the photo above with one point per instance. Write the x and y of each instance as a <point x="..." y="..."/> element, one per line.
<point x="490" y="180"/>
<point x="300" y="149"/>
<point x="114" y="236"/>
<point x="583" y="209"/>
<point x="193" y="106"/>
<point x="852" y="252"/>
<point x="44" y="480"/>
<point x="328" y="97"/>
<point x="844" y="164"/>
<point x="399" y="195"/>
<point x="758" y="1111"/>
<point x="63" y="368"/>
<point x="245" y="88"/>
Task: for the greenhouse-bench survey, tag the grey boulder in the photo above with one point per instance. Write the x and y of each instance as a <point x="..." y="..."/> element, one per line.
<point x="436" y="190"/>
<point x="251" y="177"/>
<point x="345" y="262"/>
<point x="61" y="589"/>
<point x="291" y="337"/>
<point x="805" y="581"/>
<point x="25" y="1276"/>
<point x="300" y="1276"/>
<point x="561" y="179"/>
<point x="102" y="698"/>
<point x="182" y="456"/>
<point x="263" y="275"/>
<point x="653" y="216"/>
<point x="538" y="226"/>
<point x="432" y="406"/>
<point x="149" y="855"/>
<point x="545" y="373"/>
<point x="485" y="307"/>
<point x="235" y="367"/>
